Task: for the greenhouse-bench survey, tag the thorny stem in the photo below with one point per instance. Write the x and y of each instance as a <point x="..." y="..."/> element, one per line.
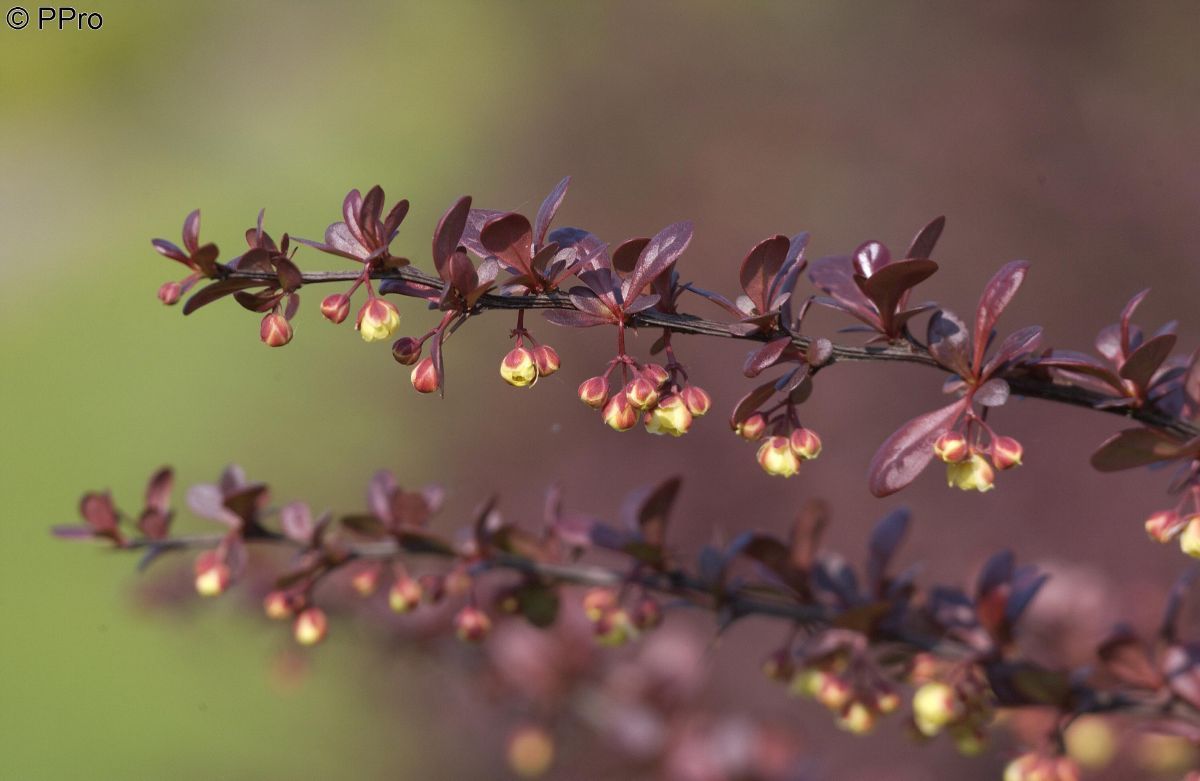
<point x="1022" y="384"/>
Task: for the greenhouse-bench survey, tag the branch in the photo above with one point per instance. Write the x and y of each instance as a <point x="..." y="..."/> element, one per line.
<point x="1022" y="384"/>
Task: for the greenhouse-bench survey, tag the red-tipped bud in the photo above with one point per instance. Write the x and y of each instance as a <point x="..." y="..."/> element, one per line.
<point x="378" y="320"/>
<point x="336" y="308"/>
<point x="598" y="602"/>
<point x="546" y="359"/>
<point x="656" y="374"/>
<point x="404" y="595"/>
<point x="1006" y="453"/>
<point x="951" y="447"/>
<point x="365" y="581"/>
<point x="472" y="625"/>
<point x="1165" y="525"/>
<point x="275" y="330"/>
<point x="752" y="428"/>
<point x="518" y="368"/>
<point x="406" y="350"/>
<point x="619" y="414"/>
<point x="805" y="443"/>
<point x="310" y="626"/>
<point x="833" y="692"/>
<point x="642" y="393"/>
<point x="594" y="392"/>
<point x="776" y="457"/>
<point x="170" y="292"/>
<point x="973" y="474"/>
<point x="857" y="718"/>
<point x="212" y="575"/>
<point x="671" y="416"/>
<point x="779" y="665"/>
<point x="277" y="605"/>
<point x="614" y="628"/>
<point x="647" y="613"/>
<point x="424" y="376"/>
<point x="935" y="705"/>
<point x="697" y="400"/>
<point x="530" y="751"/>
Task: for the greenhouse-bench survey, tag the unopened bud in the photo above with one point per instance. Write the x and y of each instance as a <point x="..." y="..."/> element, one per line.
<point x="336" y="308"/>
<point x="598" y="602"/>
<point x="697" y="400"/>
<point x="518" y="368"/>
<point x="365" y="581"/>
<point x="671" y="416"/>
<point x="807" y="681"/>
<point x="277" y="605"/>
<point x="973" y="474"/>
<point x="378" y="320"/>
<point x="275" y="330"/>
<point x="1006" y="453"/>
<point x="311" y="626"/>
<point x="1091" y="742"/>
<point x="1189" y="540"/>
<point x="776" y="457"/>
<point x="1165" y="525"/>
<point x="614" y="628"/>
<point x="530" y="751"/>
<point x="805" y="443"/>
<point x="752" y="428"/>
<point x="833" y="692"/>
<point x="935" y="705"/>
<point x="406" y="350"/>
<point x="619" y="414"/>
<point x="857" y="718"/>
<point x="472" y="625"/>
<point x="212" y="575"/>
<point x="656" y="374"/>
<point x="594" y="392"/>
<point x="546" y="359"/>
<point x="951" y="447"/>
<point x="424" y="376"/>
<point x="404" y="595"/>
<point x="642" y="393"/>
<point x="170" y="292"/>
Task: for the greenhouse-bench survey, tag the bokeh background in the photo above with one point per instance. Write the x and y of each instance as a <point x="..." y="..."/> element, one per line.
<point x="1064" y="133"/>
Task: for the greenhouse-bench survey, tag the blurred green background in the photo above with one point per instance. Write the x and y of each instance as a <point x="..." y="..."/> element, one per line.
<point x="1061" y="132"/>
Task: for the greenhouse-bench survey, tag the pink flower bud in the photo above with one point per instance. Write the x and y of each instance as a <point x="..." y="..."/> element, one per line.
<point x="310" y="626"/>
<point x="212" y="576"/>
<point x="404" y="595"/>
<point x="336" y="308"/>
<point x="277" y="605"/>
<point x="598" y="602"/>
<point x="518" y="368"/>
<point x="275" y="330"/>
<point x="365" y="581"/>
<point x="378" y="320"/>
<point x="1165" y="525"/>
<point x="424" y="376"/>
<point x="656" y="374"/>
<point x="805" y="443"/>
<point x="594" y="392"/>
<point x="619" y="414"/>
<point x="1006" y="453"/>
<point x="546" y="360"/>
<point x="951" y="447"/>
<point x="697" y="400"/>
<point x="406" y="350"/>
<point x="776" y="457"/>
<point x="472" y="625"/>
<point x="170" y="292"/>
<point x="642" y="393"/>
<point x="857" y="718"/>
<point x="752" y="428"/>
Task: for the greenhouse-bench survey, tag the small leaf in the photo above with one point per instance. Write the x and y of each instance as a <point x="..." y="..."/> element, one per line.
<point x="766" y="356"/>
<point x="656" y="257"/>
<point x="759" y="268"/>
<point x="1136" y="447"/>
<point x="546" y="212"/>
<point x="925" y="240"/>
<point x="1143" y="362"/>
<point x="907" y="452"/>
<point x="448" y="233"/>
<point x="885" y="540"/>
<point x="949" y="342"/>
<point x="993" y="393"/>
<point x="997" y="295"/>
<point x="508" y="237"/>
<point x="652" y="514"/>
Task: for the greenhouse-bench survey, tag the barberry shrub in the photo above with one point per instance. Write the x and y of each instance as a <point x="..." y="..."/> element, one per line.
<point x="556" y="596"/>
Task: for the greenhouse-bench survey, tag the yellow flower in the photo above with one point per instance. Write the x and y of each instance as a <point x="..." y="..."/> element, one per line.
<point x="973" y="474"/>
<point x="519" y="368"/>
<point x="776" y="457"/>
<point x="1189" y="541"/>
<point x="378" y="320"/>
<point x="671" y="416"/>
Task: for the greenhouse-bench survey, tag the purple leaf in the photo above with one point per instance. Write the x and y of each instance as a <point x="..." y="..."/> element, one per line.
<point x="207" y="501"/>
<point x="750" y="403"/>
<point x="657" y="256"/>
<point x="572" y="319"/>
<point x="546" y="212"/>
<point x="870" y="257"/>
<point x="925" y="240"/>
<point x="888" y="286"/>
<point x="296" y="521"/>
<point x="448" y="233"/>
<point x="1143" y="362"/>
<point x="191" y="231"/>
<point x="158" y="490"/>
<point x="1015" y="345"/>
<point x="508" y="237"/>
<point x="1136" y="447"/>
<point x="759" y="268"/>
<point x="993" y="393"/>
<point x="97" y="509"/>
<point x="997" y="295"/>
<point x="765" y="357"/>
<point x="654" y="509"/>
<point x="907" y="452"/>
<point x="216" y="291"/>
<point x="1130" y="335"/>
<point x="949" y="342"/>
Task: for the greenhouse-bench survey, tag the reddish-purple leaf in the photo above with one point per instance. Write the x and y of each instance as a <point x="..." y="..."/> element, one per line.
<point x="191" y="231"/>
<point x="546" y="212"/>
<point x="870" y="257"/>
<point x="369" y="212"/>
<point x="925" y="240"/>
<point x="835" y="276"/>
<point x="448" y="233"/>
<point x="1081" y="363"/>
<point x="1143" y="362"/>
<point x="888" y="286"/>
<point x="572" y="319"/>
<point x="993" y="393"/>
<point x="759" y="268"/>
<point x="396" y="216"/>
<point x="997" y="295"/>
<point x="1015" y="346"/>
<point x="296" y="521"/>
<point x="218" y="290"/>
<point x="750" y="403"/>
<point x="907" y="452"/>
<point x="656" y="257"/>
<point x="1136" y="447"/>
<point x="765" y="357"/>
<point x="949" y="342"/>
<point x="167" y="249"/>
<point x="97" y="509"/>
<point x="508" y="237"/>
<point x="1130" y="335"/>
<point x="625" y="256"/>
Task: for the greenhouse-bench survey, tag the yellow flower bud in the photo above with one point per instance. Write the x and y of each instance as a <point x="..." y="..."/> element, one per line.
<point x="277" y="606"/>
<point x="619" y="414"/>
<point x="275" y="330"/>
<point x="806" y="444"/>
<point x="404" y="595"/>
<point x="642" y="393"/>
<point x="546" y="359"/>
<point x="1189" y="541"/>
<point x="1006" y="453"/>
<point x="857" y="719"/>
<point x="671" y="416"/>
<point x="212" y="575"/>
<point x="752" y="428"/>
<point x="697" y="400"/>
<point x="378" y="320"/>
<point x="1091" y="742"/>
<point x="530" y="751"/>
<point x="1165" y="525"/>
<point x="310" y="627"/>
<point x="973" y="474"/>
<point x="776" y="457"/>
<point x="518" y="368"/>
<point x="951" y="447"/>
<point x="594" y="392"/>
<point x="424" y="376"/>
<point x="935" y="705"/>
